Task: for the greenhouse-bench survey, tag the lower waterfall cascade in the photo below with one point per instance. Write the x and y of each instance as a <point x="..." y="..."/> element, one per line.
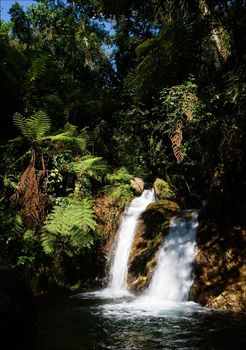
<point x="173" y="276"/>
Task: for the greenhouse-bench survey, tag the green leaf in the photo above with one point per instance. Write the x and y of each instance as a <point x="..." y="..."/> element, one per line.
<point x="75" y="220"/>
<point x="89" y="166"/>
<point x="33" y="128"/>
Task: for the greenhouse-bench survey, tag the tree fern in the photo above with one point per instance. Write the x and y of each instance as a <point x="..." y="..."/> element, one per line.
<point x="119" y="175"/>
<point x="120" y="188"/>
<point x="89" y="166"/>
<point x="145" y="47"/>
<point x="33" y="128"/>
<point x="72" y="137"/>
<point x="74" y="221"/>
<point x="37" y="68"/>
<point x="159" y="57"/>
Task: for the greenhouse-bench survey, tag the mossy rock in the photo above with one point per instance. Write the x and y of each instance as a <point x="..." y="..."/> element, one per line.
<point x="151" y="230"/>
<point x="156" y="218"/>
<point x="163" y="190"/>
<point x="137" y="184"/>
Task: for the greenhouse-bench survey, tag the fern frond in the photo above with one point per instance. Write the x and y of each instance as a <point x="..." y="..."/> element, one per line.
<point x="53" y="102"/>
<point x="17" y="139"/>
<point x="120" y="175"/>
<point x="145" y="47"/>
<point x="48" y="240"/>
<point x="37" y="68"/>
<point x="75" y="220"/>
<point x="65" y="137"/>
<point x="71" y="129"/>
<point x="90" y="166"/>
<point x="19" y="121"/>
<point x="33" y="128"/>
<point x="38" y="125"/>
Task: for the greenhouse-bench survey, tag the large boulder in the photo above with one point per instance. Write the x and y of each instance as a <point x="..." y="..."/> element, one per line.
<point x="163" y="190"/>
<point x="137" y="184"/>
<point x="232" y="298"/>
<point x="151" y="230"/>
<point x="220" y="267"/>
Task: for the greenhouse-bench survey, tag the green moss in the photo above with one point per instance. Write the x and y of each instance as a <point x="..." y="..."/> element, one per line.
<point x="163" y="190"/>
<point x="156" y="241"/>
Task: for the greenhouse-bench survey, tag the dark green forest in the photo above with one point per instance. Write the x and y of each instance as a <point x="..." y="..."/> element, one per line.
<point x="94" y="93"/>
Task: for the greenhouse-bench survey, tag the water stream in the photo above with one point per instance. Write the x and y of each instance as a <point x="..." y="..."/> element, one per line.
<point x="161" y="319"/>
<point x="169" y="287"/>
<point x="173" y="276"/>
<point x="88" y="324"/>
<point x="124" y="240"/>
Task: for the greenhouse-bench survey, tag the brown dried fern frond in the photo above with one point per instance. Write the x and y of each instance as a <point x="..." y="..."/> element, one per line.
<point x="176" y="140"/>
<point x="189" y="102"/>
<point x="28" y="193"/>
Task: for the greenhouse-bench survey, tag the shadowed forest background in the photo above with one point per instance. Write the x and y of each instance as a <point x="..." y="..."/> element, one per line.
<point x="84" y="109"/>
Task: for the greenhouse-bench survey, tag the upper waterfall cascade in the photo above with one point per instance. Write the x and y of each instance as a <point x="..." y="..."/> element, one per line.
<point x="125" y="237"/>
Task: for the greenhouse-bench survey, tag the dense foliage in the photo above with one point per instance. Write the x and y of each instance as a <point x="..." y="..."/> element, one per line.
<point x="161" y="93"/>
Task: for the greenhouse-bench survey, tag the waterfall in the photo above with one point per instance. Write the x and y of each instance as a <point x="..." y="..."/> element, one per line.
<point x="124" y="240"/>
<point x="172" y="277"/>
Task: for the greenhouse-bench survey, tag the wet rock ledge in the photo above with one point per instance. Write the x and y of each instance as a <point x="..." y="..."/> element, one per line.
<point x="151" y="230"/>
<point x="220" y="267"/>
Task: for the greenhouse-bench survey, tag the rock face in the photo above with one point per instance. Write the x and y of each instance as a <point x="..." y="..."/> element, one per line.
<point x="220" y="267"/>
<point x="220" y="263"/>
<point x="151" y="229"/>
<point x="108" y="211"/>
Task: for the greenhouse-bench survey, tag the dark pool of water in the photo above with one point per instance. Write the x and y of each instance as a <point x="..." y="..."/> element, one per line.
<point x="91" y="323"/>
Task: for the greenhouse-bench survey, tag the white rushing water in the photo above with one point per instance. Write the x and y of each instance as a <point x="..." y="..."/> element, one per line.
<point x="168" y="291"/>
<point x="125" y="236"/>
<point x="173" y="276"/>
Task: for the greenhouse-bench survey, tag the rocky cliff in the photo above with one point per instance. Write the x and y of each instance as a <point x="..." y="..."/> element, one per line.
<point x="220" y="263"/>
<point x="220" y="267"/>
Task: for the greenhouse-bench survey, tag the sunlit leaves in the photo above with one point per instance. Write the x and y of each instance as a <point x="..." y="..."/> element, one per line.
<point x="74" y="221"/>
<point x="34" y="127"/>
